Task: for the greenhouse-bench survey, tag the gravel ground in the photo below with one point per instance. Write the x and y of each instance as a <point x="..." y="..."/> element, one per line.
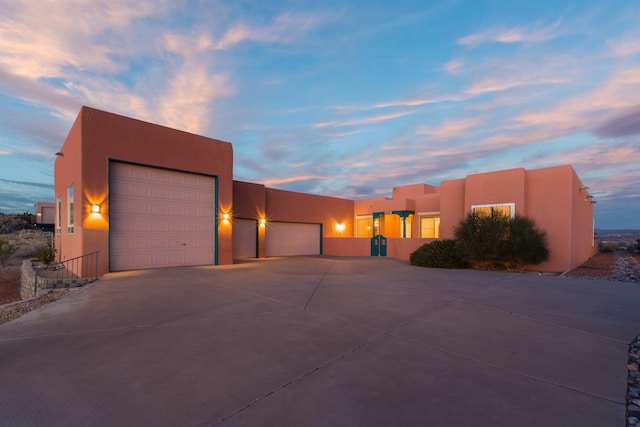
<point x="16" y="309"/>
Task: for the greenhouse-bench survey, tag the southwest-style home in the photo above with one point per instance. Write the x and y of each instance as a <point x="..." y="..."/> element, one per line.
<point x="147" y="196"/>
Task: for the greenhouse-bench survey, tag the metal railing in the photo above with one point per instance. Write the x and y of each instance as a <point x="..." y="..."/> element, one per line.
<point x="69" y="273"/>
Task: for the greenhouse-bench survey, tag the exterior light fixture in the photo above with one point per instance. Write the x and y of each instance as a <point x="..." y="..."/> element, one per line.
<point x="593" y="201"/>
<point x="589" y="196"/>
<point x="583" y="187"/>
<point x="340" y="227"/>
<point x="225" y="217"/>
<point x="59" y="153"/>
<point x="263" y="221"/>
<point x="95" y="208"/>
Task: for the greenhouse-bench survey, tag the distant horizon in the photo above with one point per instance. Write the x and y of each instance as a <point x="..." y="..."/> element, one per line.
<point x="345" y="99"/>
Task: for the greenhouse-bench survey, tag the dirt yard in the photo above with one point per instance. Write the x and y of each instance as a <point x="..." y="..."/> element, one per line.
<point x="598" y="265"/>
<point x="9" y="286"/>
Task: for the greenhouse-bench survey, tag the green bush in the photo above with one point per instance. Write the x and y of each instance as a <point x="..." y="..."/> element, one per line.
<point x="438" y="254"/>
<point x="47" y="255"/>
<point x="498" y="241"/>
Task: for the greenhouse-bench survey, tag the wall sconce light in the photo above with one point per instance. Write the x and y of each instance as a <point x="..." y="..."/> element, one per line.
<point x="59" y="153"/>
<point x="592" y="202"/>
<point x="583" y="187"/>
<point x="225" y="217"/>
<point x="262" y="222"/>
<point x="95" y="208"/>
<point x="376" y="223"/>
<point x="340" y="227"/>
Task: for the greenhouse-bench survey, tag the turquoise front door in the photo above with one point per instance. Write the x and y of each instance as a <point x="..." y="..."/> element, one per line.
<point x="379" y="245"/>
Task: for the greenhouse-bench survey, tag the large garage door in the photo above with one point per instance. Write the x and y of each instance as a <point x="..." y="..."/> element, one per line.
<point x="245" y="238"/>
<point x="287" y="238"/>
<point x="160" y="218"/>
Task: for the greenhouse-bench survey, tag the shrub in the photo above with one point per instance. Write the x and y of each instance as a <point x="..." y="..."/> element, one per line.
<point x="501" y="242"/>
<point x="6" y="250"/>
<point x="438" y="254"/>
<point x="46" y="255"/>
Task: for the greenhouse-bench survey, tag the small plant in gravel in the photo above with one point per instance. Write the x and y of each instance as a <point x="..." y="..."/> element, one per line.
<point x="6" y="250"/>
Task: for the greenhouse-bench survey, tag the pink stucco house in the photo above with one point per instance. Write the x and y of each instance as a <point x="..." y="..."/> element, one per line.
<point x="147" y="196"/>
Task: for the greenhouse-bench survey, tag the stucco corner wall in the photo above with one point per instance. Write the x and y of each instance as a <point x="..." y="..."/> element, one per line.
<point x="97" y="138"/>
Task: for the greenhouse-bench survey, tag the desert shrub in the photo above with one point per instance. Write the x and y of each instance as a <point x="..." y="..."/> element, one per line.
<point x="46" y="255"/>
<point x="501" y="242"/>
<point x="483" y="237"/>
<point x="438" y="254"/>
<point x="527" y="243"/>
<point x="6" y="250"/>
<point x="30" y="243"/>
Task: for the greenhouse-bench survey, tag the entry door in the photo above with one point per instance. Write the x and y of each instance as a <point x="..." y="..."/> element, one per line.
<point x="160" y="218"/>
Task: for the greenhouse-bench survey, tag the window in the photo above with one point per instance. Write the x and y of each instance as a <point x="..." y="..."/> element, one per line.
<point x="59" y="215"/>
<point x="70" y="209"/>
<point x="502" y="209"/>
<point x="430" y="226"/>
<point x="364" y="226"/>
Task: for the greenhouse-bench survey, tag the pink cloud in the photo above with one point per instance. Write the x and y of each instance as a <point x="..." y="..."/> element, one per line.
<point x="450" y="128"/>
<point x="285" y="28"/>
<point x="532" y="33"/>
<point x="365" y="120"/>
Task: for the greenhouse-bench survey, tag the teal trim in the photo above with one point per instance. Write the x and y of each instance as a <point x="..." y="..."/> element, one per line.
<point x="215" y="229"/>
<point x="320" y="239"/>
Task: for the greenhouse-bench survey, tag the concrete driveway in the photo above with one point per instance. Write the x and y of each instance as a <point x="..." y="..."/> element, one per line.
<point x="319" y="341"/>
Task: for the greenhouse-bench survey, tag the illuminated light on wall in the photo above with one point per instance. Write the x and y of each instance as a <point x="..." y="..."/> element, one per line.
<point x="263" y="222"/>
<point x="340" y="227"/>
<point x="95" y="209"/>
<point x="226" y="217"/>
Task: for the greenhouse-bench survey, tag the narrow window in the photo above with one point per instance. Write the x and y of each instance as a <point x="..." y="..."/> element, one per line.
<point x="70" y="209"/>
<point x="59" y="215"/>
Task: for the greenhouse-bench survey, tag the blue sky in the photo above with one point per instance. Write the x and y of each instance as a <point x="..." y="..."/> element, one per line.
<point x="346" y="99"/>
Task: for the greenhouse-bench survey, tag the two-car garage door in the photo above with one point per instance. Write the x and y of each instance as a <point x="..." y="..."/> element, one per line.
<point x="160" y="218"/>
<point x="292" y="238"/>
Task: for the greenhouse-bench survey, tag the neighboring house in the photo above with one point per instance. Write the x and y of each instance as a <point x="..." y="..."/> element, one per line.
<point x="148" y="196"/>
<point x="45" y="212"/>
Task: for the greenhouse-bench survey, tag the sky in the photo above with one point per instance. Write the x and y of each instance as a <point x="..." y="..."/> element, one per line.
<point x="340" y="98"/>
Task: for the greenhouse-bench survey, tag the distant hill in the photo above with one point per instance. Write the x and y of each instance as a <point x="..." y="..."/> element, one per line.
<point x="618" y="235"/>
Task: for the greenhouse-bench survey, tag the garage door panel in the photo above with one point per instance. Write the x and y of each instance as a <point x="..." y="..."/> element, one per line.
<point x="160" y="218"/>
<point x="244" y="238"/>
<point x="287" y="239"/>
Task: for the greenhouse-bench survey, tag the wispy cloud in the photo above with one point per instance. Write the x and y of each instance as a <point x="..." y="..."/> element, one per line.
<point x="534" y="33"/>
<point x="192" y="86"/>
<point x="285" y="28"/>
<point x="27" y="183"/>
<point x="450" y="128"/>
<point x="364" y="120"/>
<point x="626" y="45"/>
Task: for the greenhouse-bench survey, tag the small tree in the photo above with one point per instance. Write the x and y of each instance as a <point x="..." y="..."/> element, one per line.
<point x="6" y="250"/>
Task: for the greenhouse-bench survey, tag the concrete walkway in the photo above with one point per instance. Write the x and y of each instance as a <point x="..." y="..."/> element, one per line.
<point x="319" y="341"/>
